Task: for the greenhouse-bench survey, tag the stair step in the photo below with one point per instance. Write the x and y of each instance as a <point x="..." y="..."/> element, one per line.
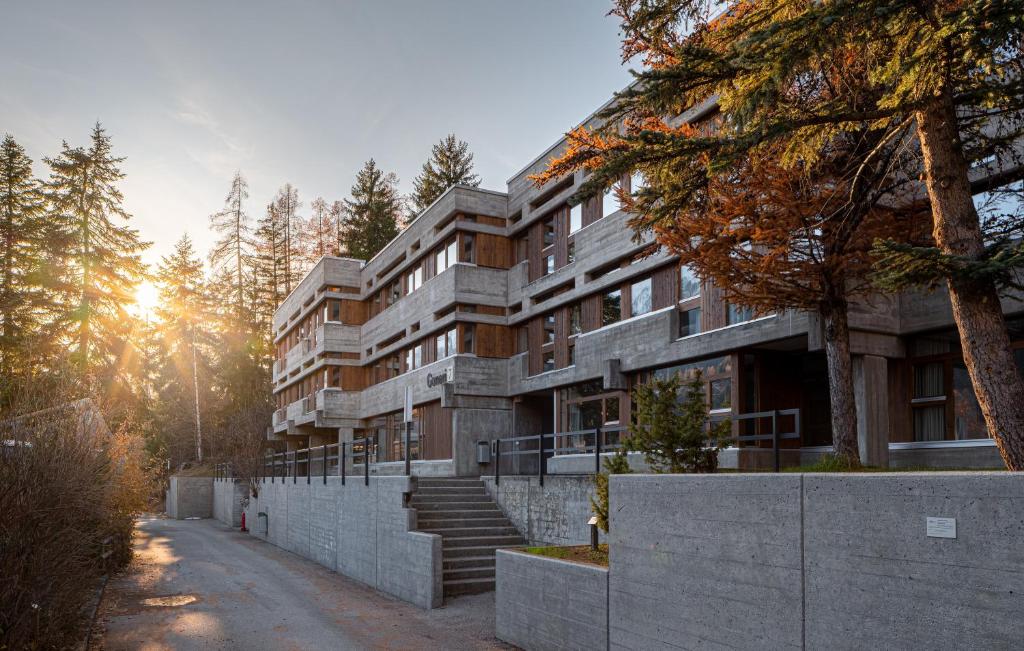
<point x="433" y="523"/>
<point x="465" y="532"/>
<point x="453" y="506"/>
<point x="477" y="572"/>
<point x="452" y="553"/>
<point x="480" y="541"/>
<point x="419" y="498"/>
<point x="467" y="514"/>
<point x="451" y="490"/>
<point x="449" y="481"/>
<point x="468" y="586"/>
<point x="461" y="562"/>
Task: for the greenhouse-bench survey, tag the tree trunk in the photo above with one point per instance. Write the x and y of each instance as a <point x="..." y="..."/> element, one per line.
<point x="840" y="380"/>
<point x="976" y="308"/>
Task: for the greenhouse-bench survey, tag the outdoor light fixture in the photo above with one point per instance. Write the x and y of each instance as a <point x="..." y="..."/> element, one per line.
<point x="593" y="532"/>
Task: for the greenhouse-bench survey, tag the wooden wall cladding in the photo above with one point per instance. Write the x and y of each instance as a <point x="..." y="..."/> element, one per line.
<point x="353" y="312"/>
<point x="493" y="251"/>
<point x="493" y="340"/>
<point x="435" y="431"/>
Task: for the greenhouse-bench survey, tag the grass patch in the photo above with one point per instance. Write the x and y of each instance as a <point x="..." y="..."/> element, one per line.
<point x="575" y="554"/>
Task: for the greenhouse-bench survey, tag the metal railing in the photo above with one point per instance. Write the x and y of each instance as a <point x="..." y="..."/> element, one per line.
<point x="223" y="471"/>
<point x="330" y="460"/>
<point x="528" y="455"/>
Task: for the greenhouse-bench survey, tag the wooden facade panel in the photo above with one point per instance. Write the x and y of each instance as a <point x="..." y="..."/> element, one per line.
<point x="591" y="210"/>
<point x="493" y="340"/>
<point x="535" y="339"/>
<point x="493" y="251"/>
<point x="591" y="312"/>
<point x="353" y="312"/>
<point x="353" y="378"/>
<point x="534" y="245"/>
<point x="435" y="429"/>
<point x="665" y="286"/>
<point x="712" y="307"/>
<point x="490" y="221"/>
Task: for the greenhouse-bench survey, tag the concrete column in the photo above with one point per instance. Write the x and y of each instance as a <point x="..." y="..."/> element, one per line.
<point x="871" y="394"/>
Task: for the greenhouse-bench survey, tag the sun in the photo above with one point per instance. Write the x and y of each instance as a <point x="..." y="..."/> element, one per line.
<point x="147" y="296"/>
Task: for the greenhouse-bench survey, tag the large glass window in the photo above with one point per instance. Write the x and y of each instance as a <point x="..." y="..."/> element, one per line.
<point x="689" y="283"/>
<point x="610" y="201"/>
<point x="689" y="322"/>
<point x="549" y="264"/>
<point x="547" y="361"/>
<point x="549" y="328"/>
<point x="737" y="313"/>
<point x="446" y="256"/>
<point x="611" y="307"/>
<point x="721" y="394"/>
<point x="640" y="297"/>
<point x="549" y="231"/>
<point x="413" y="280"/>
<point x="575" y="218"/>
<point x="575" y="319"/>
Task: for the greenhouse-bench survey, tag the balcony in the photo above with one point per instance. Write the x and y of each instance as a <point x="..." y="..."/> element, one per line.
<point x="326" y="408"/>
<point x="330" y="337"/>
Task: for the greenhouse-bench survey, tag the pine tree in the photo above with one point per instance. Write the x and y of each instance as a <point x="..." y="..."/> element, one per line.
<point x="27" y="243"/>
<point x="231" y="253"/>
<point x="373" y="212"/>
<point x="268" y="263"/>
<point x="316" y="235"/>
<point x="184" y="372"/>
<point x="450" y="163"/>
<point x="948" y="71"/>
<point x="337" y="216"/>
<point x="287" y="205"/>
<point x="105" y="256"/>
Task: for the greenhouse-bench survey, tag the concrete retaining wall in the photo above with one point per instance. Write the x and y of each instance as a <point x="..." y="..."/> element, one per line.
<point x="554" y="514"/>
<point x="544" y="603"/>
<point x="227" y="500"/>
<point x="190" y="497"/>
<point x="839" y="561"/>
<point x="363" y="532"/>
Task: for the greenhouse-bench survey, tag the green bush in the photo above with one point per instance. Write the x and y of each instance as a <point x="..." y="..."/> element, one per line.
<point x="617" y="464"/>
<point x="672" y="431"/>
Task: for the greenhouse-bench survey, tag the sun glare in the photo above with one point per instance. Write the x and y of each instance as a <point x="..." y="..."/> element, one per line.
<point x="146" y="297"/>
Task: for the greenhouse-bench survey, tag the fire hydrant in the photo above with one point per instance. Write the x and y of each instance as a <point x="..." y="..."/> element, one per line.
<point x="244" y="530"/>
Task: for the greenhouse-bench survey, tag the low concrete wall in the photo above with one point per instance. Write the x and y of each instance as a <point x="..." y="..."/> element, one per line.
<point x="554" y="514"/>
<point x="227" y="500"/>
<point x="363" y="532"/>
<point x="544" y="603"/>
<point x="816" y="561"/>
<point x="190" y="497"/>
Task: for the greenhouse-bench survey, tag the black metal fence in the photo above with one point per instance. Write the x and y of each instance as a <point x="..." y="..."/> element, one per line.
<point x="346" y="460"/>
<point x="529" y="455"/>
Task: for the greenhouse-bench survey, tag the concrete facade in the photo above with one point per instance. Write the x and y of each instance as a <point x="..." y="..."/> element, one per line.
<point x="189" y="497"/>
<point x="545" y="604"/>
<point x="527" y="309"/>
<point x="364" y="532"/>
<point x="816" y="561"/>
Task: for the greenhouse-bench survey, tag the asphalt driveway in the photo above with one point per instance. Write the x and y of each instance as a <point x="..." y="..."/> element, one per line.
<point x="196" y="584"/>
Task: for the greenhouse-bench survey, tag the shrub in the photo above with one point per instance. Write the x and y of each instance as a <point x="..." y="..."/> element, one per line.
<point x="672" y="431"/>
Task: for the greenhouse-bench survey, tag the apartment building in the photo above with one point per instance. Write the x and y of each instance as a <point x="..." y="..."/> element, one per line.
<point x="514" y="313"/>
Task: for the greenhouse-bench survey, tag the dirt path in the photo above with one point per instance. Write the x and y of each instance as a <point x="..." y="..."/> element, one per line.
<point x="200" y="585"/>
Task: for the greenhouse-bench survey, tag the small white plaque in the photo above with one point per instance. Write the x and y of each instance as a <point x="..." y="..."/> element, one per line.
<point x="941" y="527"/>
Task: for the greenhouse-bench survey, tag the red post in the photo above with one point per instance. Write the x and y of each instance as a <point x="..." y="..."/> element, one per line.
<point x="243" y="522"/>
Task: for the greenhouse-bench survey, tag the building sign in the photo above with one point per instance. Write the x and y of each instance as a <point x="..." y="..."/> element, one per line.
<point x="435" y="380"/>
<point x="941" y="527"/>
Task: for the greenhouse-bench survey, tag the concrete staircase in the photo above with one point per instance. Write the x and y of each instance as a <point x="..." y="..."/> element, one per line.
<point x="471" y="526"/>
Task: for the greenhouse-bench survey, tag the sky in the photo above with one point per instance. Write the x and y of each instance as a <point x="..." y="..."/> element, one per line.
<point x="299" y="92"/>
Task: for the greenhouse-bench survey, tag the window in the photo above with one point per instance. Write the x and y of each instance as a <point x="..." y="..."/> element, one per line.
<point x="467" y="338"/>
<point x="548" y="361"/>
<point x="571" y="257"/>
<point x="575" y="319"/>
<point x="611" y="307"/>
<point x="549" y="231"/>
<point x="575" y="217"/>
<point x="737" y="314"/>
<point x="721" y="394"/>
<point x="468" y="253"/>
<point x="441" y="342"/>
<point x="572" y="353"/>
<point x="929" y="401"/>
<point x="689" y="322"/>
<point x="689" y="284"/>
<point x="446" y="343"/>
<point x="549" y="328"/>
<point x="549" y="264"/>
<point x="446" y="256"/>
<point x="334" y="311"/>
<point x="414" y="357"/>
<point x="394" y="292"/>
<point x="610" y="201"/>
<point x="414" y="280"/>
<point x="640" y="297"/>
<point x="392" y="366"/>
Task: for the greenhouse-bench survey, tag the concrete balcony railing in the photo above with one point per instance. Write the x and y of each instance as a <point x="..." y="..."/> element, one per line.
<point x="280" y="415"/>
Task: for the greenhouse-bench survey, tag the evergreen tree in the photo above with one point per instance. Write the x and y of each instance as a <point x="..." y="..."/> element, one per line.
<point x="183" y="375"/>
<point x="337" y="216"/>
<point x="287" y="205"/>
<point x="948" y="71"/>
<point x="27" y="243"/>
<point x="450" y="163"/>
<point x="268" y="264"/>
<point x="231" y="252"/>
<point x="104" y="258"/>
<point x="316" y="235"/>
<point x="373" y="212"/>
